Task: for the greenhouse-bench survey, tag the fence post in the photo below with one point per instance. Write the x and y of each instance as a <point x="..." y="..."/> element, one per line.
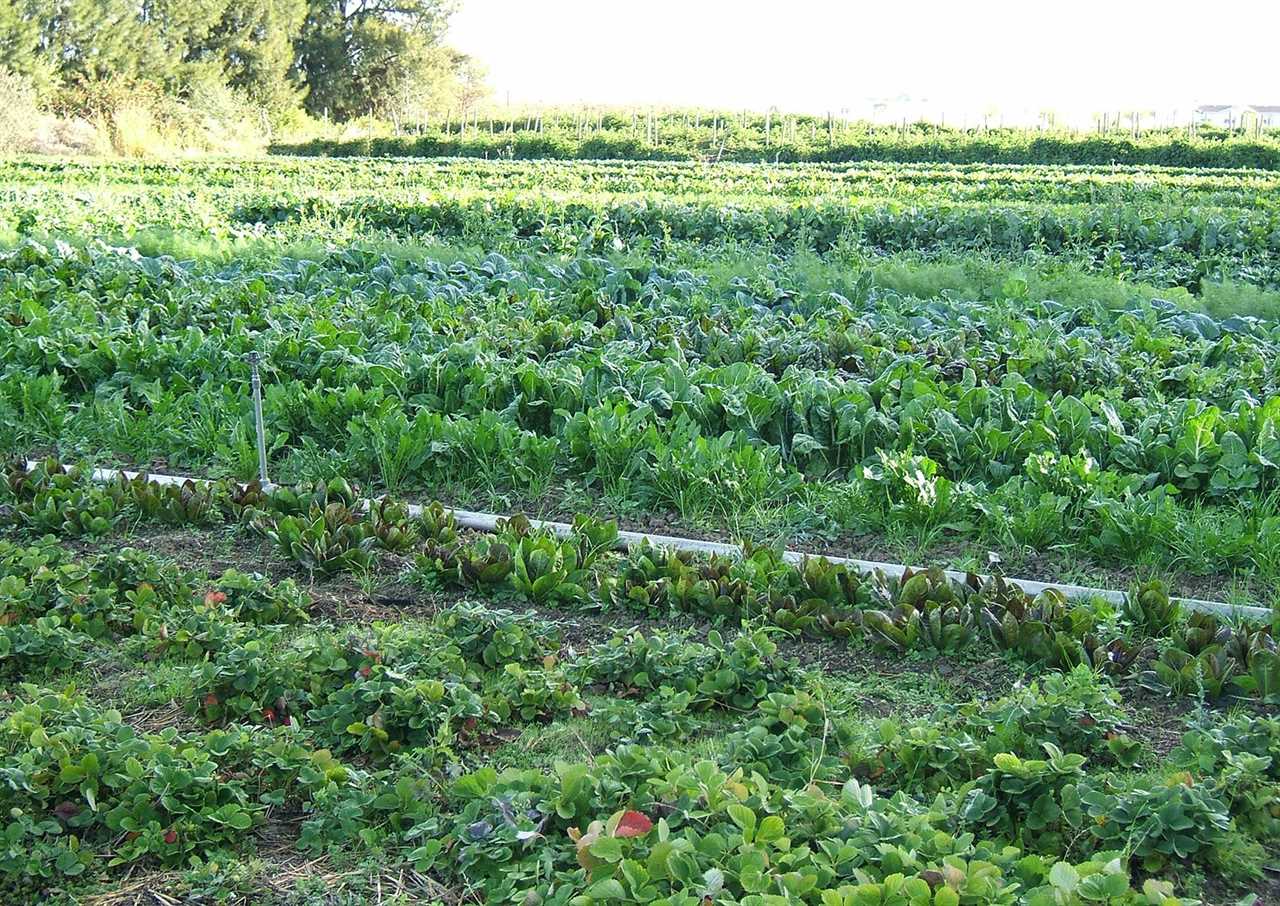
<point x="259" y="428"/>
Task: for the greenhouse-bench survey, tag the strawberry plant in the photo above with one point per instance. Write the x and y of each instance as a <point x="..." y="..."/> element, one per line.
<point x="249" y="681"/>
<point x="495" y="638"/>
<point x="193" y="634"/>
<point x="1079" y="712"/>
<point x="388" y="711"/>
<point x="1173" y="821"/>
<point x="1034" y="800"/>
<point x="634" y="664"/>
<point x="42" y="646"/>
<point x="792" y="741"/>
<point x="102" y="788"/>
<point x="527" y="694"/>
<point x="251" y="598"/>
<point x="665" y="714"/>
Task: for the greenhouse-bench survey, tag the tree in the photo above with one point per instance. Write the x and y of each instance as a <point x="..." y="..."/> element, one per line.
<point x="347" y="58"/>
<point x="361" y="56"/>
<point x="20" y="43"/>
<point x="251" y="44"/>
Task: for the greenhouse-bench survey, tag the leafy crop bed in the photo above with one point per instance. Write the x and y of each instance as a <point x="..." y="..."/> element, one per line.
<point x="1057" y="372"/>
<point x="289" y="698"/>
<point x="1173" y="227"/>
<point x="703" y="136"/>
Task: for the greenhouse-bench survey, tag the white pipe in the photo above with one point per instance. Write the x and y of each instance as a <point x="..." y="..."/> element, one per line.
<point x="488" y="522"/>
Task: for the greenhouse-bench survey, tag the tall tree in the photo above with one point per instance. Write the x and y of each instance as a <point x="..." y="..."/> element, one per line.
<point x="357" y="55"/>
<point x="251" y="43"/>
<point x="20" y="42"/>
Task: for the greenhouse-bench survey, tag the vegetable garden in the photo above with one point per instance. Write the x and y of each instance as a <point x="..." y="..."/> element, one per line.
<point x="226" y="692"/>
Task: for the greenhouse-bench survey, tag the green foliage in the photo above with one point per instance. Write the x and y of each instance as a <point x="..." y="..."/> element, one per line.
<point x="486" y="562"/>
<point x="52" y="498"/>
<point x="181" y="504"/>
<point x="719" y="673"/>
<point x="527" y="694"/>
<point x="548" y="570"/>
<point x="1033" y="800"/>
<point x="251" y="598"/>
<point x="78" y="778"/>
<point x="326" y="540"/>
<point x="1149" y="609"/>
<point x="1160" y="823"/>
<point x="744" y="137"/>
<point x="496" y="638"/>
<point x="384" y="711"/>
<point x="1079" y="712"/>
<point x="390" y="524"/>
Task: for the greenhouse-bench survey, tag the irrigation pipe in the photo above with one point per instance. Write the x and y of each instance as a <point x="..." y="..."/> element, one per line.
<point x="488" y="522"/>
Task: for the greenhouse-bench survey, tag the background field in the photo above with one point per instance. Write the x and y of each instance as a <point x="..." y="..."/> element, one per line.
<point x="1059" y="371"/>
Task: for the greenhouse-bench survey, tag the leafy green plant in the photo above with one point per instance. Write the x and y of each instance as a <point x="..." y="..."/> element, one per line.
<point x="390" y="524"/>
<point x="496" y="638"/>
<point x="187" y="503"/>
<point x="547" y="570"/>
<point x="1171" y="822"/>
<point x="523" y="693"/>
<point x="326" y="541"/>
<point x="384" y="711"/>
<point x="485" y="562"/>
<point x="252" y="598"/>
<point x="1150" y="610"/>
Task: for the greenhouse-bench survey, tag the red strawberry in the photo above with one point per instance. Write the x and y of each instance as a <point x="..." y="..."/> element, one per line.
<point x="215" y="597"/>
<point x="210" y="700"/>
<point x="633" y="824"/>
<point x="171" y="836"/>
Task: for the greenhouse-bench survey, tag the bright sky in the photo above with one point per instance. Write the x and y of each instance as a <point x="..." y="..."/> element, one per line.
<point x="1080" y="56"/>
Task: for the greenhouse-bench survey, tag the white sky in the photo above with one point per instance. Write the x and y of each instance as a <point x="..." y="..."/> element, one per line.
<point x="1076" y="57"/>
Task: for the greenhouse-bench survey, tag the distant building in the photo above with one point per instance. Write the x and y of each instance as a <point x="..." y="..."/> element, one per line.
<point x="1267" y="114"/>
<point x="1235" y="116"/>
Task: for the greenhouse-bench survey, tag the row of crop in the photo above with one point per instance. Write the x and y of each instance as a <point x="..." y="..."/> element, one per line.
<point x="947" y="146"/>
<point x="1168" y="245"/>
<point x="324" y="530"/>
<point x="612" y="427"/>
<point x="937" y="181"/>
<point x="980" y="407"/>
<point x="371" y="695"/>
<point x="1007" y="480"/>
<point x="97" y="319"/>
<point x="1178" y="247"/>
<point x="775" y="816"/>
<point x="820" y="838"/>
<point x="377" y="692"/>
<point x="904" y="182"/>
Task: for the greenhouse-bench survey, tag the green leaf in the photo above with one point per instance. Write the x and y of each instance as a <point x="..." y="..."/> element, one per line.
<point x="744" y="818"/>
<point x="771" y="828"/>
<point x="946" y="896"/>
<point x="1064" y="877"/>
<point x="608" y="849"/>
